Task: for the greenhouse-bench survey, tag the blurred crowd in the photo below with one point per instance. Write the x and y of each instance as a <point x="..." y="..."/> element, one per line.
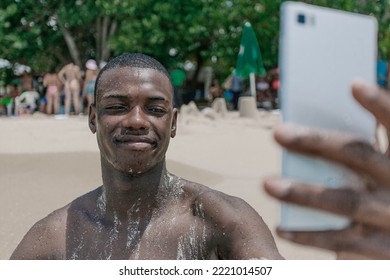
<point x="233" y="87"/>
<point x="69" y="91"/>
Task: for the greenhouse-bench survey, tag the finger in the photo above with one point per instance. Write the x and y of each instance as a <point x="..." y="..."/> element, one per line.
<point x="355" y="240"/>
<point x="344" y="149"/>
<point x="370" y="208"/>
<point x="375" y="100"/>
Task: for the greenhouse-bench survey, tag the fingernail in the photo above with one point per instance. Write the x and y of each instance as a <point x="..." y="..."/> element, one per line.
<point x="285" y="133"/>
<point x="364" y="88"/>
<point x="358" y="83"/>
<point x="278" y="187"/>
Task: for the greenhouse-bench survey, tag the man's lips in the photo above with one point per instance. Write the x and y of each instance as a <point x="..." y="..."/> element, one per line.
<point x="135" y="142"/>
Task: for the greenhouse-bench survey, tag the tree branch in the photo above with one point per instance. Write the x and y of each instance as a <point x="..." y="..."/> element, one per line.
<point x="70" y="42"/>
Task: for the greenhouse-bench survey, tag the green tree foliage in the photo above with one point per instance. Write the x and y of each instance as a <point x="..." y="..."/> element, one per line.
<point x="206" y="32"/>
<point x="49" y="33"/>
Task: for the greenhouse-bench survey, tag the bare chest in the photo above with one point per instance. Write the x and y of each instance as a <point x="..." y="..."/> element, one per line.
<point x="167" y="237"/>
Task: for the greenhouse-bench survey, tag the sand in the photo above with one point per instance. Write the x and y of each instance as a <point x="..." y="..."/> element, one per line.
<point x="46" y="162"/>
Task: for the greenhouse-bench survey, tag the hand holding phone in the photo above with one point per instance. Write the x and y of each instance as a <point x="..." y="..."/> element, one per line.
<point x="321" y="51"/>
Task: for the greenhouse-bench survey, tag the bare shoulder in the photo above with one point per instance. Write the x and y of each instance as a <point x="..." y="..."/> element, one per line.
<point x="241" y="232"/>
<point x="224" y="208"/>
<point x="46" y="238"/>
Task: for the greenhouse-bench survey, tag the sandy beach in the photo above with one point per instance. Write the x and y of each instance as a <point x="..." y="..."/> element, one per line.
<point x="46" y="162"/>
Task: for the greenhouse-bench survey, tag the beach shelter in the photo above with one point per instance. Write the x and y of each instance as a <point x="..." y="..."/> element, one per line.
<point x="249" y="60"/>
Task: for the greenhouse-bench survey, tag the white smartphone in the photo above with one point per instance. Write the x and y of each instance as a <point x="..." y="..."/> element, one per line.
<point x="321" y="51"/>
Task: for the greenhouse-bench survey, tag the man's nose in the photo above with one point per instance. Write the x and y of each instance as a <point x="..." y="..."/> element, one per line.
<point x="136" y="119"/>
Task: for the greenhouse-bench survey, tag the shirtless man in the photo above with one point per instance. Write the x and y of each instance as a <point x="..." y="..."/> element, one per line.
<point x="70" y="76"/>
<point x="142" y="211"/>
<point x="26" y="81"/>
<point x="368" y="208"/>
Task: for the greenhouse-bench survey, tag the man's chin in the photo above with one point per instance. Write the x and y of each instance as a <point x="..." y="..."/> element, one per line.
<point x="136" y="171"/>
<point x="137" y="167"/>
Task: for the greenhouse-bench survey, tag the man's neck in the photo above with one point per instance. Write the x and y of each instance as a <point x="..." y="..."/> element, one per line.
<point x="125" y="193"/>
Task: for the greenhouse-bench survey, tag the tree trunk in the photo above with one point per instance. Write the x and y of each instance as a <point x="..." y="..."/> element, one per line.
<point x="199" y="64"/>
<point x="106" y="54"/>
<point x="105" y="28"/>
<point x="98" y="39"/>
<point x="73" y="50"/>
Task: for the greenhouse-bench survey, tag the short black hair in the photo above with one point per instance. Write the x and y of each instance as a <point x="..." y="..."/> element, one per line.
<point x="135" y="60"/>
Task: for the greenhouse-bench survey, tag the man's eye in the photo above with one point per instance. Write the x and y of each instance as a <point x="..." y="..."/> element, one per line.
<point x="157" y="110"/>
<point x="115" y="108"/>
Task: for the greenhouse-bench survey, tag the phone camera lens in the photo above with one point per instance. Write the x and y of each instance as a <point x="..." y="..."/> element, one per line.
<point x="301" y="18"/>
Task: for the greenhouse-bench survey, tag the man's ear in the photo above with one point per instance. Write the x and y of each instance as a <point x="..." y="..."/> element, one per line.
<point x="174" y="123"/>
<point x="92" y="118"/>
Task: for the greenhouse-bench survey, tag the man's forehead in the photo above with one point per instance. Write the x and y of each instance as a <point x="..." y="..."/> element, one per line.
<point x="132" y="70"/>
<point x="125" y="77"/>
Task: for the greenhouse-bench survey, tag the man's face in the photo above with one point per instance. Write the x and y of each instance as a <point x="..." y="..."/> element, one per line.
<point x="133" y="118"/>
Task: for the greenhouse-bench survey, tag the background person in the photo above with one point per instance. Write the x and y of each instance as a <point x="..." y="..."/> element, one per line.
<point x="237" y="89"/>
<point x="26" y="81"/>
<point x="53" y="87"/>
<point x="215" y="90"/>
<point x="178" y="78"/>
<point x="70" y="76"/>
<point x="89" y="81"/>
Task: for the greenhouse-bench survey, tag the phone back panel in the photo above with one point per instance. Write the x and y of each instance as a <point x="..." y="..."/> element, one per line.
<point x="321" y="51"/>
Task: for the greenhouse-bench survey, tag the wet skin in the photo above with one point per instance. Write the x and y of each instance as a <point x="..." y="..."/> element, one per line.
<point x="133" y="119"/>
<point x="141" y="211"/>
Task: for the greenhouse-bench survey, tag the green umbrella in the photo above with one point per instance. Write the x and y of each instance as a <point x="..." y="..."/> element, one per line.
<point x="249" y="58"/>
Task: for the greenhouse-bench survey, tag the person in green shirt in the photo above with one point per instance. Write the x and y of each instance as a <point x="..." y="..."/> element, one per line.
<point x="178" y="78"/>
